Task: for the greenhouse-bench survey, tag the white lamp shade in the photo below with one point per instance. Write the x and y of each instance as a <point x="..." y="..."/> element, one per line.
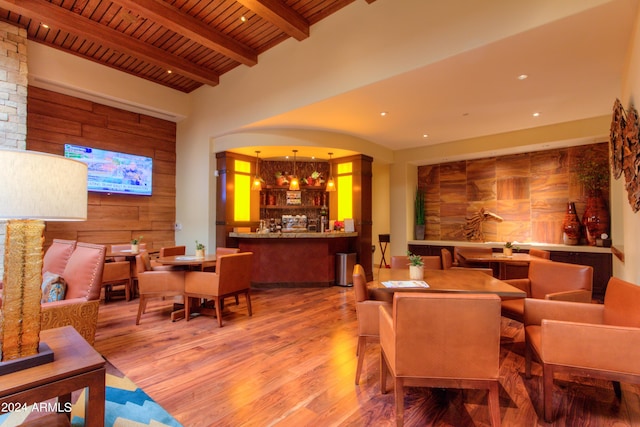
<point x="42" y="186"/>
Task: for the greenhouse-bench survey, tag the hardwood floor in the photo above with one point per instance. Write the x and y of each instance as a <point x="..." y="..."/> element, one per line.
<point x="293" y="364"/>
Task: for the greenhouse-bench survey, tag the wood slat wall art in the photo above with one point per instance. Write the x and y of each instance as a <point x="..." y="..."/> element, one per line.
<point x="54" y="119"/>
<point x="529" y="191"/>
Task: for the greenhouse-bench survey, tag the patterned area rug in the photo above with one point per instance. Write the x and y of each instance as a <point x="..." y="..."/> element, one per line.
<point x="126" y="405"/>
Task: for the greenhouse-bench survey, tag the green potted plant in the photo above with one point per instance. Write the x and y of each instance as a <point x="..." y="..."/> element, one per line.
<point x="508" y="249"/>
<point x="420" y="214"/>
<point x="199" y="249"/>
<point x="593" y="174"/>
<point x="416" y="266"/>
<point x="135" y="244"/>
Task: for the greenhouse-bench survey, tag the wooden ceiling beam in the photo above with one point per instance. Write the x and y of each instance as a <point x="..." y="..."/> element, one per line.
<point x="57" y="17"/>
<point x="283" y="17"/>
<point x="184" y="24"/>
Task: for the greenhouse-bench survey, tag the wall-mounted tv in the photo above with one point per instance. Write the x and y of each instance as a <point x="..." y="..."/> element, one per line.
<point x="113" y="172"/>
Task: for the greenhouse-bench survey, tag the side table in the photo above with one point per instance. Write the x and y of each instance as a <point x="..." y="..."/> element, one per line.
<point x="76" y="365"/>
<point x="383" y="238"/>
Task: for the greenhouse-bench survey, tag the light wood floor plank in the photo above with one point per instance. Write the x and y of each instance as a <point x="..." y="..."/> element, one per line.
<point x="293" y="363"/>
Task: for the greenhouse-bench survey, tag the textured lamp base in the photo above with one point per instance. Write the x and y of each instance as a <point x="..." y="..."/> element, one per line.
<point x="44" y="356"/>
<point x="21" y="291"/>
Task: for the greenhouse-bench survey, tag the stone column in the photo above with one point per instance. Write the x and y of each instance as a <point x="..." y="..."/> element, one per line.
<point x="13" y="97"/>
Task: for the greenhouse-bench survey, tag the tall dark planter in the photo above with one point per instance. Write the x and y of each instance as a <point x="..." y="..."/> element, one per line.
<point x="419" y="232"/>
<point x="571" y="226"/>
<point x="595" y="218"/>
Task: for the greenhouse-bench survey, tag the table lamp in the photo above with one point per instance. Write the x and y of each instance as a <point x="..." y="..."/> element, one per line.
<point x="36" y="187"/>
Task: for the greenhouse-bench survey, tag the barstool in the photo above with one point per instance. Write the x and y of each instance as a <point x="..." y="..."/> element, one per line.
<point x="383" y="238"/>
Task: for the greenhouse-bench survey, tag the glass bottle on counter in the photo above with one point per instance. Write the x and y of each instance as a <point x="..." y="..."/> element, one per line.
<point x="324" y="219"/>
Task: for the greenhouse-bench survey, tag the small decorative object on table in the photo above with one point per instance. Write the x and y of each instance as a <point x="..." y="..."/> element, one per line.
<point x="508" y="249"/>
<point x="416" y="266"/>
<point x="135" y="244"/>
<point x="199" y="250"/>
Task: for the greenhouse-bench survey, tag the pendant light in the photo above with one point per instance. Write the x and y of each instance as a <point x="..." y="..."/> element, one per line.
<point x="294" y="185"/>
<point x="331" y="184"/>
<point x="257" y="181"/>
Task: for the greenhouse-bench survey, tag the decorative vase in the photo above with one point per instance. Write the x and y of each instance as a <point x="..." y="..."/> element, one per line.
<point x="419" y="231"/>
<point x="135" y="248"/>
<point x="507" y="251"/>
<point x="595" y="218"/>
<point x="571" y="226"/>
<point x="199" y="253"/>
<point x="416" y="272"/>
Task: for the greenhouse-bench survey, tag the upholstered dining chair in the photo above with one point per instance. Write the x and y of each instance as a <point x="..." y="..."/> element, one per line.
<point x="448" y="263"/>
<point x="156" y="283"/>
<point x="173" y="251"/>
<point x="430" y="262"/>
<point x="219" y="252"/>
<point x="422" y="349"/>
<point x="117" y="273"/>
<point x="587" y="340"/>
<point x="367" y="314"/>
<point x="550" y="280"/>
<point x="540" y="253"/>
<point x="232" y="277"/>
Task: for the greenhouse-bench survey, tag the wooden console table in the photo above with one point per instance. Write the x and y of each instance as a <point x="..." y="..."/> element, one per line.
<point x="76" y="365"/>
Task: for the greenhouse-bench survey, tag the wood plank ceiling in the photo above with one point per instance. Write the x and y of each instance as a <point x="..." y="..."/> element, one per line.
<point x="181" y="44"/>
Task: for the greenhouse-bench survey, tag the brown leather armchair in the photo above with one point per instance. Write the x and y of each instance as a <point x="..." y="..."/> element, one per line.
<point x="232" y="277"/>
<point x="590" y="340"/>
<point x="550" y="280"/>
<point x="441" y="340"/>
<point x="367" y="314"/>
<point x="156" y="283"/>
<point x="83" y="276"/>
<point x="430" y="262"/>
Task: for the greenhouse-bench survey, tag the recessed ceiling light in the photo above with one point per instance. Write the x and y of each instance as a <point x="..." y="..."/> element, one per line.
<point x="536" y="114"/>
<point x="424" y="135"/>
<point x="243" y="19"/>
<point x="44" y="26"/>
<point x="522" y="77"/>
<point x="383" y="113"/>
<point x="169" y="72"/>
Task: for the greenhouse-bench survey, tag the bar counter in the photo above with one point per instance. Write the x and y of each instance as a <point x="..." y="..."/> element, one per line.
<point x="295" y="259"/>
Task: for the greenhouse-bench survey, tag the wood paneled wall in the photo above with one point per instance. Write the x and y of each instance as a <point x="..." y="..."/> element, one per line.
<point x="529" y="191"/>
<point x="54" y="119"/>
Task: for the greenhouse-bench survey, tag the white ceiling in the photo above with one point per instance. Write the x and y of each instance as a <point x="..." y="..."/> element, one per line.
<point x="574" y="67"/>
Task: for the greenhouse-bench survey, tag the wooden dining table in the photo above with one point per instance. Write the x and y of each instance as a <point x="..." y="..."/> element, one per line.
<point x="452" y="281"/>
<point x="472" y="256"/>
<point x="189" y="260"/>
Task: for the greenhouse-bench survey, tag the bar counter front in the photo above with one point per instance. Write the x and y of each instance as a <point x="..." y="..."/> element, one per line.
<point x="294" y="259"/>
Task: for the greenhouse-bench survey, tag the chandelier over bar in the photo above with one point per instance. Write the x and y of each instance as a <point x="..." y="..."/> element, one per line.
<point x="331" y="184"/>
<point x="257" y="181"/>
<point x="294" y="184"/>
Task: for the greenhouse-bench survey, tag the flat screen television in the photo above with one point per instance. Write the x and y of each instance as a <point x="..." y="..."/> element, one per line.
<point x="114" y="172"/>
